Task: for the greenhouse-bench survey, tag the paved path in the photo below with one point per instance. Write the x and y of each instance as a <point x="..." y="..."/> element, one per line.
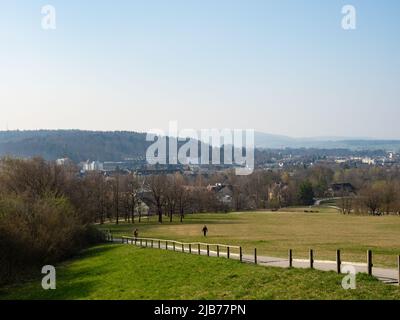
<point x="317" y="202"/>
<point x="389" y="276"/>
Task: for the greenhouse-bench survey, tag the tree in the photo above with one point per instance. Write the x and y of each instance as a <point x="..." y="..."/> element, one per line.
<point x="131" y="186"/>
<point x="371" y="196"/>
<point x="157" y="185"/>
<point x="172" y="195"/>
<point x="116" y="197"/>
<point x="320" y="176"/>
<point x="346" y="204"/>
<point x="306" y="193"/>
<point x="98" y="197"/>
<point x="389" y="196"/>
<point x="182" y="196"/>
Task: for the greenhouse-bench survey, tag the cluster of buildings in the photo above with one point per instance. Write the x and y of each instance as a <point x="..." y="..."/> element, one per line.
<point x="304" y="161"/>
<point x="140" y="166"/>
<point x="285" y="162"/>
<point x="390" y="159"/>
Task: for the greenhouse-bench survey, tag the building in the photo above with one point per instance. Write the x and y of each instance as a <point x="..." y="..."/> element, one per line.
<point x="92" y="166"/>
<point x="224" y="193"/>
<point x="64" y="162"/>
<point x="368" y="160"/>
<point x="341" y="189"/>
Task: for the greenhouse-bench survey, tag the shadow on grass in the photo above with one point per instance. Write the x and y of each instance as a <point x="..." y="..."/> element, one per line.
<point x="74" y="280"/>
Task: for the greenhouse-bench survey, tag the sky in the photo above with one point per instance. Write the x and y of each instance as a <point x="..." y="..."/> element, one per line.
<point x="280" y="66"/>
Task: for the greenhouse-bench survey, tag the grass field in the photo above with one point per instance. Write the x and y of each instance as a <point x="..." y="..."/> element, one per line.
<point x="273" y="233"/>
<point x="127" y="272"/>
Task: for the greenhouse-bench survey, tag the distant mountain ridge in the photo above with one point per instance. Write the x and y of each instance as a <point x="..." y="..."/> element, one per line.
<point x="80" y="145"/>
<point x="271" y="141"/>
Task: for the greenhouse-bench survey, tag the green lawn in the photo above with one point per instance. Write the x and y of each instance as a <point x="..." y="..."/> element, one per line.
<point x="273" y="233"/>
<point x="127" y="272"/>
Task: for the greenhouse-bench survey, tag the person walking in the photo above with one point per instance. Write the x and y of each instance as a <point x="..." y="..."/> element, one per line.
<point x="205" y="230"/>
<point x="136" y="233"/>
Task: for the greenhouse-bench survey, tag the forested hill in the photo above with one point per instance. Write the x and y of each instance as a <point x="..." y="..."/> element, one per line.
<point x="74" y="144"/>
<point x="118" y="145"/>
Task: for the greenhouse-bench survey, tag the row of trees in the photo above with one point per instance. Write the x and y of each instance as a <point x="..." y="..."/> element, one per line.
<point x="128" y="197"/>
<point x="376" y="198"/>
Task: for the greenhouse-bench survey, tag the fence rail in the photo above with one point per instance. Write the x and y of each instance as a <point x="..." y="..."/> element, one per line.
<point x="182" y="243"/>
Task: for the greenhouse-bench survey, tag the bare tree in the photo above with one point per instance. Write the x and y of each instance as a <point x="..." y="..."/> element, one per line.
<point x="116" y="197"/>
<point x="131" y="186"/>
<point x="372" y="198"/>
<point x="388" y="196"/>
<point x="157" y="185"/>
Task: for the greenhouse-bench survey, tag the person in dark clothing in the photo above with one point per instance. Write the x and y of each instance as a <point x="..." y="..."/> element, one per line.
<point x="135" y="233"/>
<point x="205" y="230"/>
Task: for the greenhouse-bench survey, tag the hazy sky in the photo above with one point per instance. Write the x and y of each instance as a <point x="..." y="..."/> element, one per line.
<point x="284" y="67"/>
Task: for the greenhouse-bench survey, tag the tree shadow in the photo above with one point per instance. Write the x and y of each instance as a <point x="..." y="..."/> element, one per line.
<point x="71" y="282"/>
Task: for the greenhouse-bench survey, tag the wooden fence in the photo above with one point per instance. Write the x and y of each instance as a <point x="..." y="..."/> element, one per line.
<point x="189" y="247"/>
<point x="223" y="250"/>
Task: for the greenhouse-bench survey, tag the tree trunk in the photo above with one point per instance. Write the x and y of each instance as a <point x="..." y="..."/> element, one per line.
<point x="159" y="214"/>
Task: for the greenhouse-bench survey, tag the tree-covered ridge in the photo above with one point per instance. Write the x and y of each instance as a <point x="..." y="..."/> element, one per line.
<point x="75" y="144"/>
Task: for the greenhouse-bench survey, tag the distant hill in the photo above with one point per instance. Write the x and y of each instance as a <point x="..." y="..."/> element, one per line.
<point x="118" y="145"/>
<point x="268" y="141"/>
<point x="74" y="144"/>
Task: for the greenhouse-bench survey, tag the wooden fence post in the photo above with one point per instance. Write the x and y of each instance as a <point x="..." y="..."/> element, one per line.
<point x="240" y="254"/>
<point x="190" y="248"/>
<point x="152" y="244"/>
<point x="217" y="250"/>
<point x="159" y="244"/>
<point x="338" y="262"/>
<point x="369" y="262"/>
<point x="166" y="245"/>
<point x="255" y="255"/>
<point x="173" y="245"/>
<point x="198" y="248"/>
<point x="146" y="243"/>
<point x="141" y="242"/>
<point x="208" y="250"/>
<point x="311" y="259"/>
<point x="398" y="266"/>
<point x="227" y="252"/>
<point x="183" y="248"/>
<point x="290" y="258"/>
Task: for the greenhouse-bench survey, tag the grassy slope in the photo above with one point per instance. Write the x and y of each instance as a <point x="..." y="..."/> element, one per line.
<point x="127" y="272"/>
<point x="274" y="233"/>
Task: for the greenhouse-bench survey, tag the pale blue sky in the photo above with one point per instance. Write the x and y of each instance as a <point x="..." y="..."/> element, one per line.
<point x="282" y="66"/>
